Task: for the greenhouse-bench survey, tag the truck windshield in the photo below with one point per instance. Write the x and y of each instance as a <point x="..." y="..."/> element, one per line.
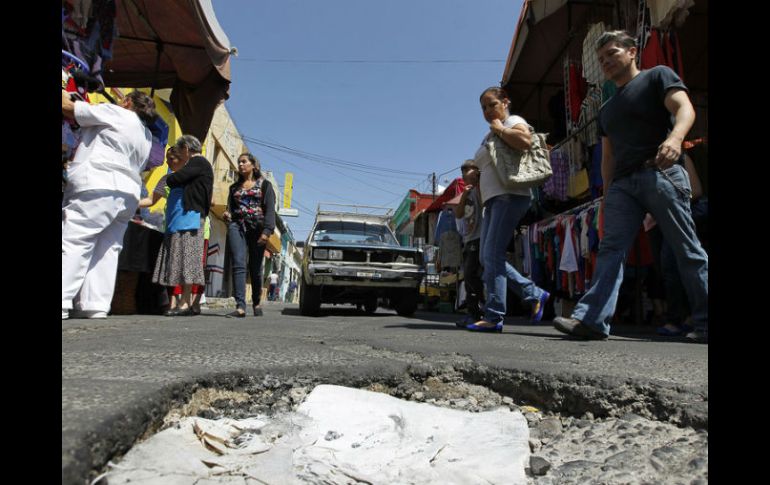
<point x="353" y="232"/>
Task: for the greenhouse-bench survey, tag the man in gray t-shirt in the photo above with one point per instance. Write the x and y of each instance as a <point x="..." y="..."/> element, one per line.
<point x="469" y="210"/>
<point x="642" y="128"/>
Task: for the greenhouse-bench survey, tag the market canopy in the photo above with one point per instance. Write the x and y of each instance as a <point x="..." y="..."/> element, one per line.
<point x="549" y="30"/>
<point x="175" y="44"/>
<point x="454" y="189"/>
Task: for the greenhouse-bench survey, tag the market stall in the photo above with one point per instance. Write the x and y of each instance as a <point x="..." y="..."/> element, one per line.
<point x="554" y="81"/>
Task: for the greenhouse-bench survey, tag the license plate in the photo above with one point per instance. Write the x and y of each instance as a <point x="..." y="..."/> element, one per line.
<point x="367" y="274"/>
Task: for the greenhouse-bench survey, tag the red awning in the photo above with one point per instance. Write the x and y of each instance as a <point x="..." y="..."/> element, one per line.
<point x="454" y="189"/>
<point x="455" y="200"/>
<point x="173" y="44"/>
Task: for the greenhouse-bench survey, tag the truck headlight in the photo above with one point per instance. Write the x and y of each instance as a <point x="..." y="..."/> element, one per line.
<point x="321" y="254"/>
<point x="335" y="254"/>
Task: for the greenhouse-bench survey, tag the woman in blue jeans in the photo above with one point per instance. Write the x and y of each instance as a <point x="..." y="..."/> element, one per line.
<point x="503" y="209"/>
<point x="251" y="217"/>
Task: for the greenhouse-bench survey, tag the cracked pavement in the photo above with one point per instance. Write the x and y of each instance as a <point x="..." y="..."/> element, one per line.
<point x="121" y="375"/>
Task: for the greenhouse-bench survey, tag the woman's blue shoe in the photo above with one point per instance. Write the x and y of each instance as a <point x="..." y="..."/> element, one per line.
<point x="539" y="306"/>
<point x="475" y="328"/>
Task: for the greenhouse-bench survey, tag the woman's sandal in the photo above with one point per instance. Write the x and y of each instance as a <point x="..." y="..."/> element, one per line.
<point x="475" y="327"/>
<point x="257" y="311"/>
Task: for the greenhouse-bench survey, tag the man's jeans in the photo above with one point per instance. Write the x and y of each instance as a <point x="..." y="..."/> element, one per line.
<point x="501" y="216"/>
<point x="625" y="205"/>
<point x="240" y="243"/>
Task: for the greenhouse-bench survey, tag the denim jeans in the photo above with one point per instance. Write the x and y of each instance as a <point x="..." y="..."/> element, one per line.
<point x="501" y="216"/>
<point x="625" y="204"/>
<point x="239" y="243"/>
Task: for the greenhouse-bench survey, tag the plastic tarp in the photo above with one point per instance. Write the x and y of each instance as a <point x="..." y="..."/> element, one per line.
<point x="194" y="56"/>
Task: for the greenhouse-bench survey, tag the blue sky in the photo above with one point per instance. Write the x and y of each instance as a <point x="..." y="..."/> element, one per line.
<point x="298" y="82"/>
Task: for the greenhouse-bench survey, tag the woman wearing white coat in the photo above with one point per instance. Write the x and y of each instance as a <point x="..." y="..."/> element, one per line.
<point x="102" y="194"/>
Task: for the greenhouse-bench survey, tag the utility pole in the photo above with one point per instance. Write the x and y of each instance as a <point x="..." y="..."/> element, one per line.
<point x="434" y="185"/>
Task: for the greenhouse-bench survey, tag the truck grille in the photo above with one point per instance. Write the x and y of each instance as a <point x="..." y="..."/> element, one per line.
<point x="360" y="257"/>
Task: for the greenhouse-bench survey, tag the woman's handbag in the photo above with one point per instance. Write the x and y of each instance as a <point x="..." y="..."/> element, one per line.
<point x="521" y="169"/>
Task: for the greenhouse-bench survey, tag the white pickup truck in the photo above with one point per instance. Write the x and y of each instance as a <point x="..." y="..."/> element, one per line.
<point x="352" y="256"/>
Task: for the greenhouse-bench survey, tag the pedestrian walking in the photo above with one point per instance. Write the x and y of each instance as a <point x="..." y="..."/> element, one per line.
<point x="642" y="128"/>
<point x="468" y="210"/>
<point x="503" y="209"/>
<point x="271" y="292"/>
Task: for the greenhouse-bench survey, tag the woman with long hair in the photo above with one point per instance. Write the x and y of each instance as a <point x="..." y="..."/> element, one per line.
<point x="251" y="217"/>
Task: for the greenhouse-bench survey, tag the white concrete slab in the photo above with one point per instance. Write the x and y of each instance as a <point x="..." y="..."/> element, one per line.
<point x="338" y="435"/>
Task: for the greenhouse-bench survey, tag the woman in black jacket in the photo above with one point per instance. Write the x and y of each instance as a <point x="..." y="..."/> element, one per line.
<point x="251" y="217"/>
<point x="180" y="261"/>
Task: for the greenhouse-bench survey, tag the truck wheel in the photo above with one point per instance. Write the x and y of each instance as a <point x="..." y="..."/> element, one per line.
<point x="370" y="305"/>
<point x="406" y="301"/>
<point x="309" y="299"/>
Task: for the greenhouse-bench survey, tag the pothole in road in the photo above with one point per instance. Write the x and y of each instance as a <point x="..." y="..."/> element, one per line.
<point x="270" y="430"/>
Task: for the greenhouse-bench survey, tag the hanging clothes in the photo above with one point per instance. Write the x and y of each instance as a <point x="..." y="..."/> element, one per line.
<point x="89" y="30"/>
<point x="592" y="71"/>
<point x="577" y="90"/>
<point x="665" y="13"/>
<point x="568" y="260"/>
<point x="563" y="250"/>
<point x="589" y="111"/>
<point x="556" y="186"/>
<point x="652" y="54"/>
<point x="159" y="131"/>
<point x="445" y="223"/>
<point x="674" y="54"/>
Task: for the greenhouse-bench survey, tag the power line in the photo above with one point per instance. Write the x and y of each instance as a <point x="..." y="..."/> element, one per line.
<point x="449" y="171"/>
<point x="337" y="195"/>
<point x="308" y="185"/>
<point x="364" y="167"/>
<point x="366" y="183"/>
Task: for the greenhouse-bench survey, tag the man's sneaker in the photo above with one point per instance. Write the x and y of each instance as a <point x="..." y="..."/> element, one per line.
<point x="65" y="313"/>
<point x="87" y="314"/>
<point x="537" y="308"/>
<point x="698" y="336"/>
<point x="574" y="327"/>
